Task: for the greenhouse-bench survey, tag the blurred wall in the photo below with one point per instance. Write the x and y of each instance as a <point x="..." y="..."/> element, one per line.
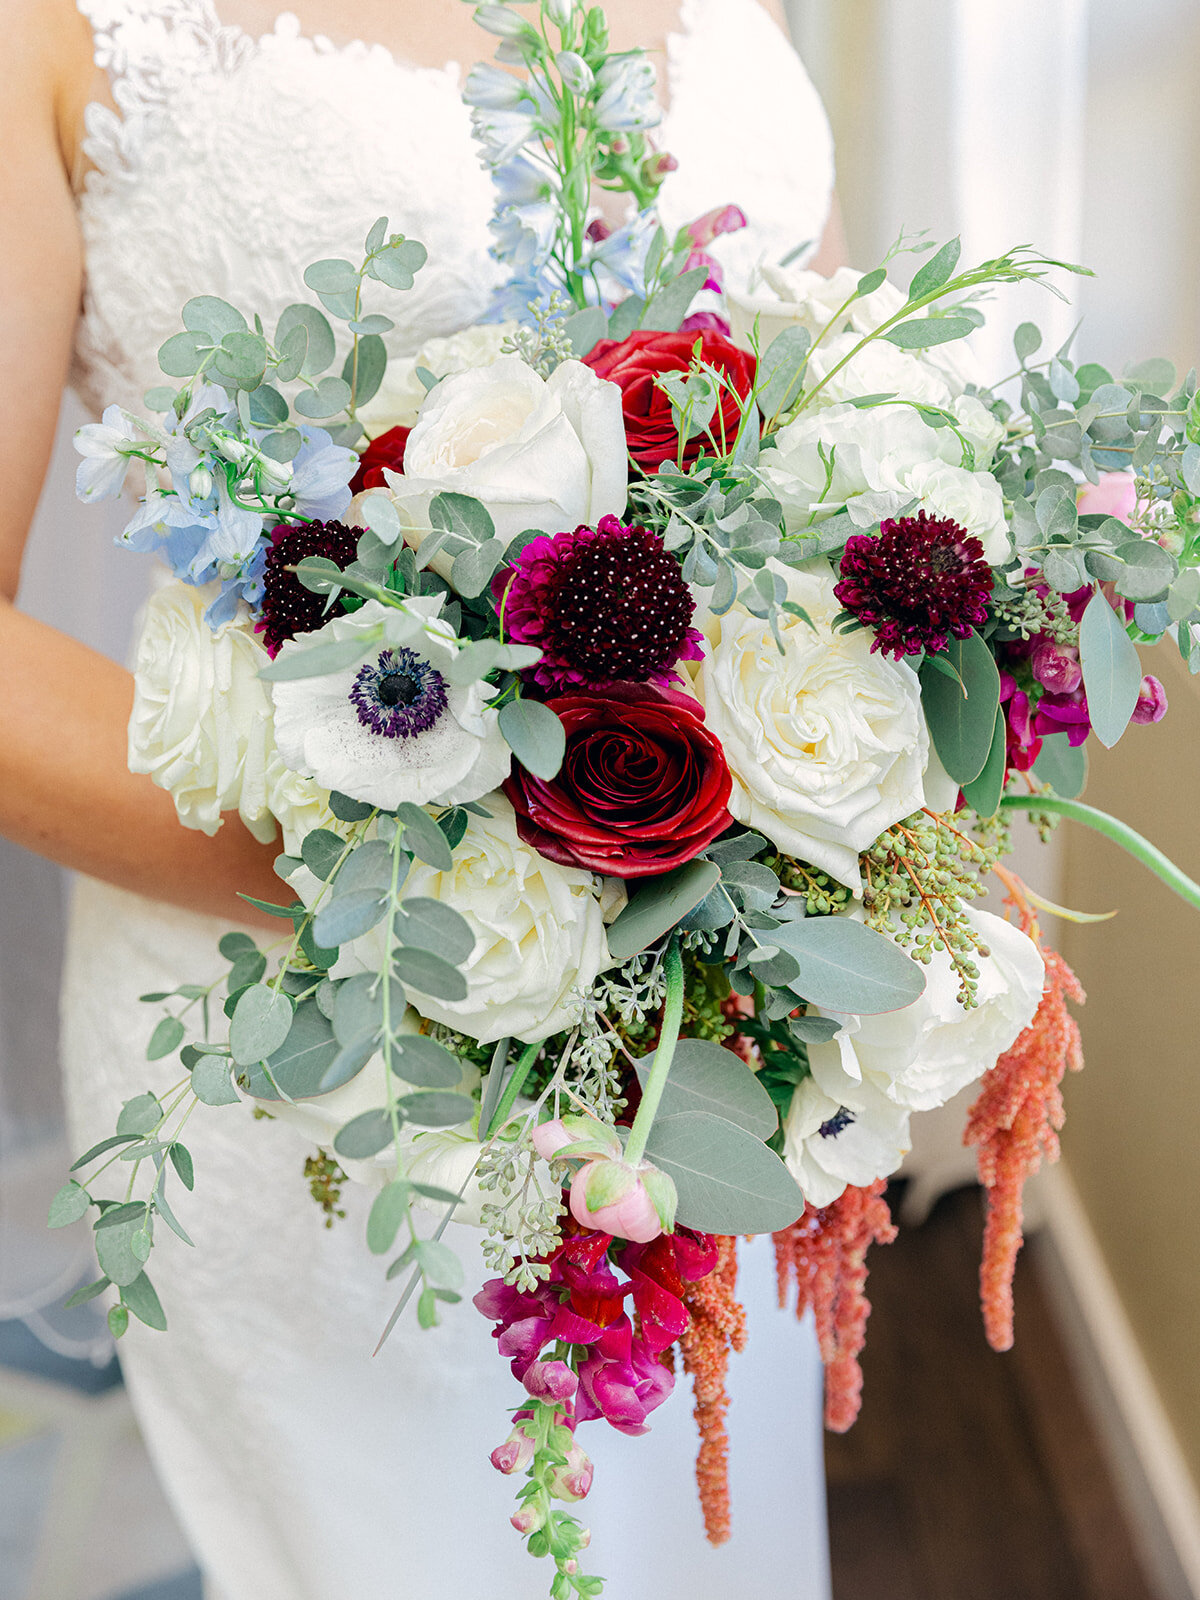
<point x="1077" y="127"/>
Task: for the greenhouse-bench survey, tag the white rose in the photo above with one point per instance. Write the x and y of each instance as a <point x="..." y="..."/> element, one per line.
<point x="299" y="805"/>
<point x="545" y="453"/>
<point x="401" y="394"/>
<point x="972" y="499"/>
<point x="868" y="454"/>
<point x="391" y="729"/>
<point x="201" y="721"/>
<point x="878" y="368"/>
<point x="538" y="926"/>
<point x="982" y="429"/>
<point x="783" y="298"/>
<point x="923" y="1054"/>
<point x="828" y="1143"/>
<point x="826" y="742"/>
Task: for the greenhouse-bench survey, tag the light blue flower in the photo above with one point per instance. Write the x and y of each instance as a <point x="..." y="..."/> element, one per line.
<point x="626" y="99"/>
<point x="490" y="89"/>
<point x="107" y="448"/>
<point x="321" y="474"/>
<point x="501" y="134"/>
<point x="622" y="256"/>
<point x="520" y="181"/>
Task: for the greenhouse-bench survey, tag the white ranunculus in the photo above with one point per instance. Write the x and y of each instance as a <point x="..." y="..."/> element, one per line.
<point x="982" y="429"/>
<point x="545" y="453"/>
<point x="878" y="368"/>
<point x="923" y="1054"/>
<point x="539" y="933"/>
<point x="972" y="499"/>
<point x="299" y="805"/>
<point x="780" y="298"/>
<point x="344" y="731"/>
<point x="400" y="396"/>
<point x="828" y="1143"/>
<point x="826" y="742"/>
<point x="201" y="720"/>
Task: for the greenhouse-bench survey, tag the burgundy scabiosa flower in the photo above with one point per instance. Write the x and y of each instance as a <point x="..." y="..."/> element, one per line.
<point x="920" y="582"/>
<point x="288" y="608"/>
<point x="604" y="605"/>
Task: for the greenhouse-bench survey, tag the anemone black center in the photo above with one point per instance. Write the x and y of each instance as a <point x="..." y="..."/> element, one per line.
<point x="398" y="689"/>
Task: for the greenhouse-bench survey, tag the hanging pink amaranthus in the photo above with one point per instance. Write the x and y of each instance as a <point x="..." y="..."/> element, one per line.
<point x="1015" y="1122"/>
<point x="825" y="1252"/>
<point x="717" y="1325"/>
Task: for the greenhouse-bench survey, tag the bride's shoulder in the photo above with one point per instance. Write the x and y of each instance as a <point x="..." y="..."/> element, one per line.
<point x="49" y="64"/>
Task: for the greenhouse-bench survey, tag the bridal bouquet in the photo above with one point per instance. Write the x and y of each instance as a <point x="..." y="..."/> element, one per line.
<point x="641" y="694"/>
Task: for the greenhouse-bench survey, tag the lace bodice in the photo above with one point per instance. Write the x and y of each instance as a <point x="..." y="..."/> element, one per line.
<point x="231" y="162"/>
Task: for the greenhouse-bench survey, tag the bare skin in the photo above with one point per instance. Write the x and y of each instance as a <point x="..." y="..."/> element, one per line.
<point x="65" y="790"/>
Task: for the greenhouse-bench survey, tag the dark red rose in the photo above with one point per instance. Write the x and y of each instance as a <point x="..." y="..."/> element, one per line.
<point x="634" y="363"/>
<point x="385" y="451"/>
<point x="642" y="788"/>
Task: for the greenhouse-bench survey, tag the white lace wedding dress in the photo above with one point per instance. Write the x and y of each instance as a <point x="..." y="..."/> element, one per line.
<point x="301" y="1468"/>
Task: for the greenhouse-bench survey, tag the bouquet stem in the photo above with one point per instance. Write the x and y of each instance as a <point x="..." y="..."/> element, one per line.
<point x="656" y="1081"/>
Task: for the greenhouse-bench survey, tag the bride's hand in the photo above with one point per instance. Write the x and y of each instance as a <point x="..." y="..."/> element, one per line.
<point x="65" y="790"/>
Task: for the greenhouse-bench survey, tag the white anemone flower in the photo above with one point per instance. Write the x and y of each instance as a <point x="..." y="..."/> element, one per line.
<point x="393" y="728"/>
<point x="829" y="1143"/>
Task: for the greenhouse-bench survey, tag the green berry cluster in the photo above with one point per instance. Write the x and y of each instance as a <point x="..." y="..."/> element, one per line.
<point x="823" y="896"/>
<point x="1029" y="612"/>
<point x="918" y="878"/>
<point x="325" y="1180"/>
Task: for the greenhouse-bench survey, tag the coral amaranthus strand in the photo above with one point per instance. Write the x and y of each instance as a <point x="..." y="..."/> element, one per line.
<point x="825" y="1251"/>
<point x="717" y="1326"/>
<point x="1015" y="1121"/>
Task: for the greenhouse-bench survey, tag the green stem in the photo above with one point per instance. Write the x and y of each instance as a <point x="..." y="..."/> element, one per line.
<point x="513" y="1088"/>
<point x="1120" y="832"/>
<point x="660" y="1067"/>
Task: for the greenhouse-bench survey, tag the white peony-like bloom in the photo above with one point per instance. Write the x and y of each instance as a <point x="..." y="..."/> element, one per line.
<point x="201" y="721"/>
<point x="923" y="1054"/>
<point x="878" y="368"/>
<point x="299" y="805"/>
<point x="392" y="729"/>
<point x="781" y="297"/>
<point x="538" y="926"/>
<point x="826" y="742"/>
<point x="545" y="453"/>
<point x="972" y="499"/>
<point x="398" y="401"/>
<point x="828" y="1144"/>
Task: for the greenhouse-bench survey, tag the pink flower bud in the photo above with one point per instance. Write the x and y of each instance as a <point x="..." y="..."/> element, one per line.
<point x="570" y="1567"/>
<point x="598" y="230"/>
<point x="550" y="1137"/>
<point x="528" y="1520"/>
<point x="573" y="1480"/>
<point x="515" y="1454"/>
<point x="657" y="165"/>
<point x="721" y="219"/>
<point x="610" y="1197"/>
<point x="1151" y="701"/>
<point x="550" y="1380"/>
<point x="716" y="275"/>
<point x="1113" y="496"/>
<point x="1057" y="671"/>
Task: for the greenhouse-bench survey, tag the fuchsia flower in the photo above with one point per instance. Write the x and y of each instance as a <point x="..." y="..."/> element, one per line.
<point x="602" y="604"/>
<point x="1114" y="496"/>
<point x="721" y="219"/>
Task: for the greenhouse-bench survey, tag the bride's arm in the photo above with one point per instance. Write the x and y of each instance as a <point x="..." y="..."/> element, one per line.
<point x="65" y="790"/>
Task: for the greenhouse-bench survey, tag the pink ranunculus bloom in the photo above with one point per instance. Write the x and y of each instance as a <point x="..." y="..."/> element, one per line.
<point x="721" y="219"/>
<point x="548" y="1138"/>
<point x="1114" y="496"/>
<point x="630" y="1214"/>
<point x="1151" y="702"/>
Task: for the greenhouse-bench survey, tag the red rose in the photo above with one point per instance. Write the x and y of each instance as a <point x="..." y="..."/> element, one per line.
<point x="642" y="788"/>
<point x="385" y="451"/>
<point x="634" y="363"/>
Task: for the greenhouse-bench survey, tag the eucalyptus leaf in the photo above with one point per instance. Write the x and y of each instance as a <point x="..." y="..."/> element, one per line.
<point x="261" y="1021"/>
<point x="320" y="345"/>
<point x="140" y="1115"/>
<point x="463" y="515"/>
<point x="423" y="837"/>
<point x="69" y="1205"/>
<point x="211" y="1083"/>
<point x="845" y="966"/>
<point x="535" y="735"/>
<point x="434" y="1108"/>
<point x="102" y="1148"/>
<point x="205" y="313"/>
<point x="330" y="396"/>
<point x="428" y="973"/>
<point x="364" y="368"/>
<point x="365" y="1135"/>
<point x="1148" y="572"/>
<point x="814" y="1030"/>
<point x="1112" y="673"/>
<point x="781" y="371"/>
<point x="349" y="1062"/>
<point x="983" y="793"/>
<point x="433" y="925"/>
<point x="346" y="809"/>
<point x="666" y="309"/>
<point x="318" y="660"/>
<point x="298" y="1067"/>
<point x="961" y="710"/>
<point x="919" y="333"/>
<point x="331" y="276"/>
<point x="348" y="917"/>
<point x="585" y="330"/>
<point x="388" y="1211"/>
<point x="473" y="568"/>
<point x="936" y="271"/>
<point x="657" y="905"/>
<point x="181" y="355"/>
<point x="707" y="1077"/>
<point x="439" y="1264"/>
<point x="424" y="1062"/>
<point x="369" y="866"/>
<point x="143" y="1301"/>
<point x="321" y="851"/>
<point x="166" y="1039"/>
<point x="181" y="1160"/>
<point x="726" y="1179"/>
<point x="1062" y="766"/>
<point x="114" y="1248"/>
